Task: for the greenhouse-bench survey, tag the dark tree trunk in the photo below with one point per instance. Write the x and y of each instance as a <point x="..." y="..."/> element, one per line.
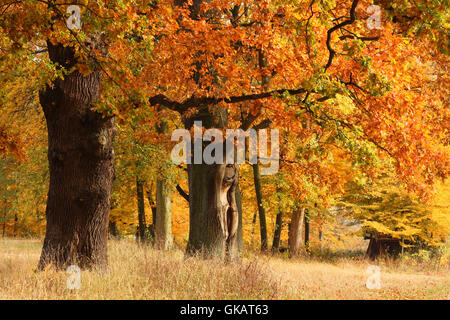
<point x="383" y="247"/>
<point x="81" y="163"/>
<point x="277" y="232"/>
<point x="306" y="229"/>
<point x="141" y="210"/>
<point x="151" y="228"/>
<point x="295" y="232"/>
<point x="4" y="224"/>
<point x="16" y="219"/>
<point x="113" y="231"/>
<point x="261" y="211"/>
<point x="240" y="234"/>
<point x="213" y="208"/>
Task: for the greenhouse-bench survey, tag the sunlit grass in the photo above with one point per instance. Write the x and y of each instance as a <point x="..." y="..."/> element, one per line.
<point x="140" y="272"/>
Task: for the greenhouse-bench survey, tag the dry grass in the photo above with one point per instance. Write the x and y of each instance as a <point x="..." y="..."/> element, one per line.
<point x="144" y="273"/>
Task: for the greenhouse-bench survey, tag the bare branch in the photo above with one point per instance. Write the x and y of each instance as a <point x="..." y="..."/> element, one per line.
<point x="182" y="193"/>
<point x="207" y="101"/>
<point x="352" y="19"/>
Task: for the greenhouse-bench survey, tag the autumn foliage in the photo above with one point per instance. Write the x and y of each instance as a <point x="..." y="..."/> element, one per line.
<point x="353" y="104"/>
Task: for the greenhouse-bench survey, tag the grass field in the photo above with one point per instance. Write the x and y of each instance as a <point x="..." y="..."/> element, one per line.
<point x="140" y="272"/>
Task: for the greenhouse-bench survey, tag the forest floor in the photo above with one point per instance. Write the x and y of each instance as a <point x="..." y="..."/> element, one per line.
<point x="140" y="272"/>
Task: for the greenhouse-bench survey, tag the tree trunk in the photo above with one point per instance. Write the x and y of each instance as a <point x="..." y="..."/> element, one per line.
<point x="113" y="231"/>
<point x="261" y="211"/>
<point x="277" y="232"/>
<point x="295" y="232"/>
<point x="151" y="228"/>
<point x="141" y="210"/>
<point x="240" y="234"/>
<point x="81" y="163"/>
<point x="213" y="207"/>
<point x="306" y="229"/>
<point x="163" y="224"/>
<point x="16" y="219"/>
<point x="320" y="238"/>
<point x="213" y="210"/>
<point x="4" y="223"/>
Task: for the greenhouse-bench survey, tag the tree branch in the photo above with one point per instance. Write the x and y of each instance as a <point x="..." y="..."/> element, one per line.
<point x="161" y="99"/>
<point x="182" y="193"/>
<point x="337" y="27"/>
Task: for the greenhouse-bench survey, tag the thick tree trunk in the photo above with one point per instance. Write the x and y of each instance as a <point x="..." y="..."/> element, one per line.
<point x="383" y="247"/>
<point x="261" y="211"/>
<point x="141" y="210"/>
<point x="213" y="210"/>
<point x="295" y="232"/>
<point x="213" y="207"/>
<point x="163" y="224"/>
<point x="277" y="232"/>
<point x="212" y="188"/>
<point x="81" y="163"/>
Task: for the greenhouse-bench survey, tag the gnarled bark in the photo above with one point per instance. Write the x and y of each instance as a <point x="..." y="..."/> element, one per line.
<point x="212" y="200"/>
<point x="213" y="210"/>
<point x="81" y="161"/>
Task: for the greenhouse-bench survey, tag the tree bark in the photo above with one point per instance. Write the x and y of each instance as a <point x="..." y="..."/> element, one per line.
<point x="113" y="231"/>
<point x="4" y="224"/>
<point x="295" y="232"/>
<point x="277" y="232"/>
<point x="306" y="229"/>
<point x="163" y="224"/>
<point x="213" y="210"/>
<point x="261" y="211"/>
<point x="151" y="227"/>
<point x="81" y="163"/>
<point x="240" y="234"/>
<point x="213" y="207"/>
<point x="141" y="210"/>
<point x="16" y="219"/>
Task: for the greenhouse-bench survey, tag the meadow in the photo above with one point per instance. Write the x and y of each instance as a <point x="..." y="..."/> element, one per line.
<point x="141" y="272"/>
